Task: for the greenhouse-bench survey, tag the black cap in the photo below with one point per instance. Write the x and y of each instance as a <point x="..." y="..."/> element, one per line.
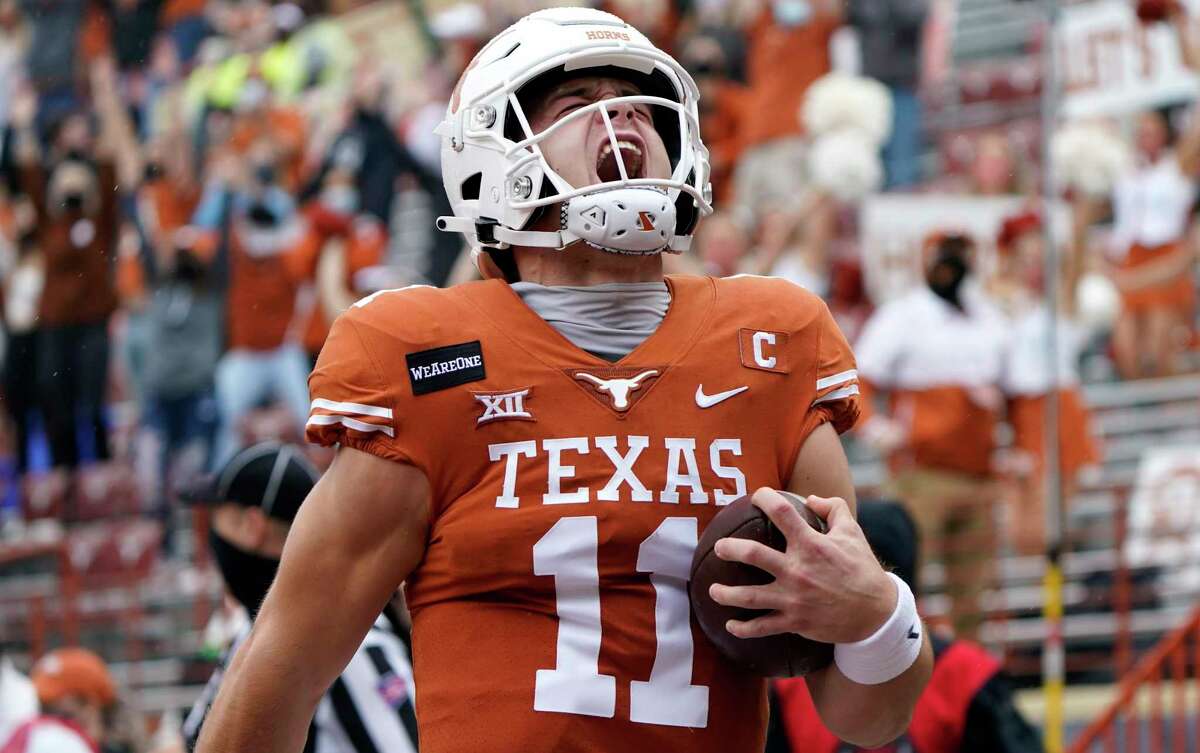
<point x="892" y="534"/>
<point x="272" y="476"/>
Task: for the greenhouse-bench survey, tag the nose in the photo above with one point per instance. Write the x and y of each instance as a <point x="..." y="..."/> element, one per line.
<point x="621" y="111"/>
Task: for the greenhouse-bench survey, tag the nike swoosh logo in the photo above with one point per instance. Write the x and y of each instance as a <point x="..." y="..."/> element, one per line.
<point x="708" y="401"/>
<point x="912" y="633"/>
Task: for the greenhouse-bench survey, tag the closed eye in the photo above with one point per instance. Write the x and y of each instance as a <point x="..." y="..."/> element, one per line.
<point x="570" y="104"/>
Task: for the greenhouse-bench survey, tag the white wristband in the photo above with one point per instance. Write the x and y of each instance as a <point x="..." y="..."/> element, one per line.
<point x="891" y="650"/>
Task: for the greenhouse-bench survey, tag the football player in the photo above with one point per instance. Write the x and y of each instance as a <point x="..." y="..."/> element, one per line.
<point x="535" y="455"/>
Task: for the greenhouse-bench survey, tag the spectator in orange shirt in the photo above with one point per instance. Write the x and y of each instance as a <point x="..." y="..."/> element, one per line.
<point x="258" y="117"/>
<point x="254" y="222"/>
<point x="788" y="48"/>
<point x="75" y="197"/>
<point x="345" y="246"/>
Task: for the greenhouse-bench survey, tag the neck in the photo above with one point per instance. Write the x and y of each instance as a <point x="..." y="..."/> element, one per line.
<point x="580" y="264"/>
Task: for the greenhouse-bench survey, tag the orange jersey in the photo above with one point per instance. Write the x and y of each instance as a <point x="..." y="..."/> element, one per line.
<point x="550" y="612"/>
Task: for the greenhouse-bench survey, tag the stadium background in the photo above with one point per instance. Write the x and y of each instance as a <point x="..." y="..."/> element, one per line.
<point x="186" y="96"/>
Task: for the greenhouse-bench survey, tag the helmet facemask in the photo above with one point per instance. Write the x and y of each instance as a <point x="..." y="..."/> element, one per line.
<point x="629" y="174"/>
<point x="627" y="203"/>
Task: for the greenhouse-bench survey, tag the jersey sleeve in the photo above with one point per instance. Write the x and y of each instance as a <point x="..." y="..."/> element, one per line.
<point x="837" y="398"/>
<point x="353" y="405"/>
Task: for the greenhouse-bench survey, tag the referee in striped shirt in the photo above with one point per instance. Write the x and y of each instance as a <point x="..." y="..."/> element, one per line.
<point x="254" y="498"/>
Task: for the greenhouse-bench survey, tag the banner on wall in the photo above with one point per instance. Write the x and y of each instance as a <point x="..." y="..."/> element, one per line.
<point x="1111" y="64"/>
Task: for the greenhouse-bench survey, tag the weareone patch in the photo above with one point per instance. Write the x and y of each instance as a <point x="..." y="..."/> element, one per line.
<point x="442" y="368"/>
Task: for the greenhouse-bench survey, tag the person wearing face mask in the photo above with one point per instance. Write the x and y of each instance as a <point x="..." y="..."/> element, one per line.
<point x="253" y="501"/>
<point x="936" y="356"/>
<point x="258" y="116"/>
<point x="251" y="224"/>
<point x="344" y="248"/>
<point x="75" y="200"/>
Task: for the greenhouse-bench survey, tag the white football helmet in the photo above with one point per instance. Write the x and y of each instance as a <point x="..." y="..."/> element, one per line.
<point x="493" y="168"/>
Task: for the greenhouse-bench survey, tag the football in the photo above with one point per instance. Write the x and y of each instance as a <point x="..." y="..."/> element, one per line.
<point x="787" y="655"/>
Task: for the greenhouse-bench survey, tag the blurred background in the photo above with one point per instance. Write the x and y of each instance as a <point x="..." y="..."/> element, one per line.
<point x="190" y="191"/>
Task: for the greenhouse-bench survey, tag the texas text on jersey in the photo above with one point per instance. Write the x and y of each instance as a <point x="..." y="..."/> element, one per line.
<point x="550" y="611"/>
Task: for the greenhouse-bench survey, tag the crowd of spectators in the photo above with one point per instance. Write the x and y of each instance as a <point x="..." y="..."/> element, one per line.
<point x="194" y="189"/>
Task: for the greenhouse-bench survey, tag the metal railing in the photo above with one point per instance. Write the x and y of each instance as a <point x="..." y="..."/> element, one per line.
<point x="1138" y="719"/>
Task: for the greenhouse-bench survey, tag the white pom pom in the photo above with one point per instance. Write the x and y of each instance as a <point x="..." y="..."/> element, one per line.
<point x="838" y="101"/>
<point x="1088" y="157"/>
<point x="846" y="165"/>
<point x="1097" y="302"/>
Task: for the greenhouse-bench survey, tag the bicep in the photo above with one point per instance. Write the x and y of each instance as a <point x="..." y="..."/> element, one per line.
<point x="821" y="467"/>
<point x="359" y="534"/>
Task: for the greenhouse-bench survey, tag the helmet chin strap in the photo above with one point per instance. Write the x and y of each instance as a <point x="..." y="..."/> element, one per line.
<point x="630" y="221"/>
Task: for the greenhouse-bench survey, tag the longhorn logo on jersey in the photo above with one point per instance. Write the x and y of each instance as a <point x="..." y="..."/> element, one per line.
<point x="615" y="387"/>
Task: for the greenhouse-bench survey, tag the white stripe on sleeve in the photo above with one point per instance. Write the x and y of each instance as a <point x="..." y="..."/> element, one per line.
<point x="349" y="423"/>
<point x="359" y="408"/>
<point x="830" y="381"/>
<point x="837" y="394"/>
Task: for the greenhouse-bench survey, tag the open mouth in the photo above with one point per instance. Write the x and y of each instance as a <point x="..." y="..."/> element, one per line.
<point x="606" y="160"/>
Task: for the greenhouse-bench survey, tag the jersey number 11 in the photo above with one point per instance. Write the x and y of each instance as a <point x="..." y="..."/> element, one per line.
<point x="568" y="551"/>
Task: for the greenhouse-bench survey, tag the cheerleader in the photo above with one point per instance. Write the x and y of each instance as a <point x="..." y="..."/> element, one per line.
<point x="1029" y="375"/>
<point x="1152" y="264"/>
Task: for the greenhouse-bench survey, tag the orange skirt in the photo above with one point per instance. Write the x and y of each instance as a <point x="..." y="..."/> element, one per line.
<point x="1178" y="293"/>
<point x="1077" y="447"/>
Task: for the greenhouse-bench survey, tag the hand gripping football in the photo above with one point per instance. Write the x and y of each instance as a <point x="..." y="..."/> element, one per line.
<point x="786" y="655"/>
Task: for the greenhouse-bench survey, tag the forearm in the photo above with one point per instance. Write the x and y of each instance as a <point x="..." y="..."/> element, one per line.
<point x="1185" y="36"/>
<point x="266" y="700"/>
<point x="332" y="291"/>
<point x="1188" y="148"/>
<point x="870" y="716"/>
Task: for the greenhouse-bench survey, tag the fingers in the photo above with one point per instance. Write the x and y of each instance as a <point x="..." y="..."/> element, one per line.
<point x="752" y="553"/>
<point x="834" y="510"/>
<point x="747" y="597"/>
<point x="782" y="513"/>
<point x="760" y="627"/>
